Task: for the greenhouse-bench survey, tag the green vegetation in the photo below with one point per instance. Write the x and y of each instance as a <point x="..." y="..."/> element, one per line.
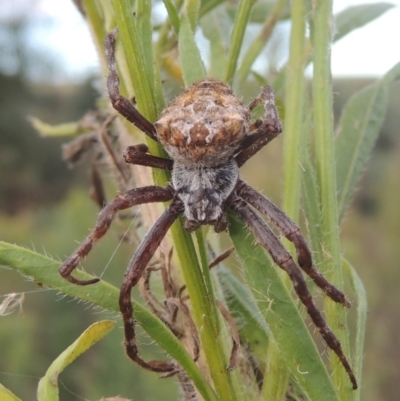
<point x="270" y="321"/>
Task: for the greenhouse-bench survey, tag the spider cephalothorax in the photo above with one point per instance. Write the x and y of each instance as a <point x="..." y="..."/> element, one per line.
<point x="208" y="134"/>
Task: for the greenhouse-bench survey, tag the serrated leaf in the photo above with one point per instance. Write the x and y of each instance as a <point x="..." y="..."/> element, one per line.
<point x="48" y="384"/>
<point x="192" y="65"/>
<point x="44" y="270"/>
<point x="357" y="16"/>
<point x="284" y="319"/>
<point x="359" y="126"/>
<point x="7" y="395"/>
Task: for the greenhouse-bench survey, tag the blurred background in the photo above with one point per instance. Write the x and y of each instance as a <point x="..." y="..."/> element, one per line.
<point x="49" y="69"/>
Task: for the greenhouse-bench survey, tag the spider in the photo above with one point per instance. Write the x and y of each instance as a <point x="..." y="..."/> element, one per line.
<point x="209" y="135"/>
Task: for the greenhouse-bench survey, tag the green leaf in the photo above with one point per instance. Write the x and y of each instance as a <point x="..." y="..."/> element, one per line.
<point x="48" y="385"/>
<point x="191" y="10"/>
<point x="235" y="46"/>
<point x="44" y="270"/>
<point x="192" y="65"/>
<point x="358" y="130"/>
<point x="362" y="310"/>
<point x="253" y="329"/>
<point x="141" y="75"/>
<point x="288" y="329"/>
<point x="7" y="395"/>
<point x="66" y="129"/>
<point x="357" y="16"/>
<point x="312" y="204"/>
<point x="173" y="15"/>
<point x="212" y="26"/>
<point x="145" y="30"/>
<point x="207" y="5"/>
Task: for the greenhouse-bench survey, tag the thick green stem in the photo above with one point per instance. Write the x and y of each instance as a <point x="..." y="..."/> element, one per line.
<point x="325" y="162"/>
<point x="294" y="101"/>
<point x="203" y="313"/>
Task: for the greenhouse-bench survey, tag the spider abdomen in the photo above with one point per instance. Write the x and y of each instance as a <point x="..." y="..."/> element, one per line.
<point x="204" y="125"/>
<point x="203" y="191"/>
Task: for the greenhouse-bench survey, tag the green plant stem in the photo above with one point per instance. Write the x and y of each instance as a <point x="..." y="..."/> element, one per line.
<point x="325" y="162"/>
<point x="239" y="28"/>
<point x="203" y="314"/>
<point x="294" y="101"/>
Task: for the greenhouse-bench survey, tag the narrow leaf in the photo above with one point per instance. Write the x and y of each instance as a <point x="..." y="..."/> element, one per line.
<point x="45" y="271"/>
<point x="212" y="27"/>
<point x="7" y="395"/>
<point x="358" y="130"/>
<point x="173" y="15"/>
<point x="235" y="46"/>
<point x="145" y="30"/>
<point x="312" y="205"/>
<point x="191" y="9"/>
<point x="48" y="385"/>
<point x="357" y="16"/>
<point x="253" y="329"/>
<point x="192" y="64"/>
<point x="284" y="319"/>
<point x="362" y="310"/>
<point x="207" y="5"/>
<point x="141" y="76"/>
<point x="66" y="129"/>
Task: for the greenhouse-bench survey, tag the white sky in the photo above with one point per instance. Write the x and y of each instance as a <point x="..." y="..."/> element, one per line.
<point x="371" y="50"/>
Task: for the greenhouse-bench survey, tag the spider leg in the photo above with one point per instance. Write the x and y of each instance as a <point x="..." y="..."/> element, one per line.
<point x="120" y="103"/>
<point x="137" y="154"/>
<point x="266" y="129"/>
<point x="283" y="259"/>
<point x="134" y="272"/>
<point x="123" y="201"/>
<point x="292" y="232"/>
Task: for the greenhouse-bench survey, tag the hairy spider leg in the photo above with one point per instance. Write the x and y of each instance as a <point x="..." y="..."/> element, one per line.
<point x="120" y="103"/>
<point x="283" y="259"/>
<point x="123" y="201"/>
<point x="134" y="272"/>
<point x="137" y="154"/>
<point x="292" y="232"/>
<point x="266" y="129"/>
